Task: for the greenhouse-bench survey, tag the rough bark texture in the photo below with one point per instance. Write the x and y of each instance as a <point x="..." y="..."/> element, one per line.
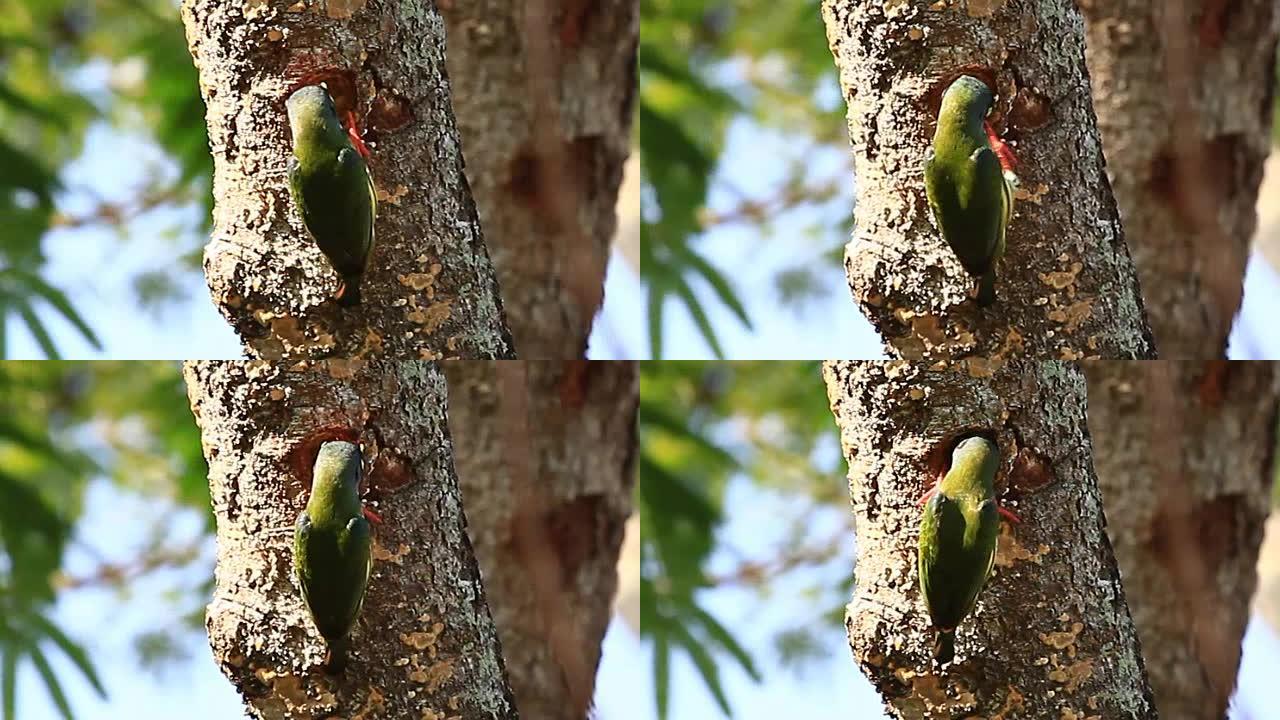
<point x="1184" y="104"/>
<point x="580" y="436"/>
<point x="430" y="291"/>
<point x="1183" y="455"/>
<point x="1051" y="636"/>
<point x="1066" y="288"/>
<point x="424" y="645"/>
<point x="544" y="103"/>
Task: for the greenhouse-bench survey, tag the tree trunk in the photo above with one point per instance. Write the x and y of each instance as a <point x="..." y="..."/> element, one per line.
<point x="1184" y="103"/>
<point x="1051" y="636"/>
<point x="544" y="104"/>
<point x="1066" y="287"/>
<point x="547" y="473"/>
<point x="430" y="291"/>
<point x="1183" y="454"/>
<point x="424" y="645"/>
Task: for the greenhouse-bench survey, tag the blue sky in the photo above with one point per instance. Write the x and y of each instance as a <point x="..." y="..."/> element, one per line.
<point x="115" y="525"/>
<point x="832" y="687"/>
<point x="95" y="267"/>
<point x="757" y="162"/>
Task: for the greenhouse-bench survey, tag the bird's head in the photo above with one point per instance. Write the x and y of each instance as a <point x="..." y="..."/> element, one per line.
<point x="969" y="98"/>
<point x="311" y="109"/>
<point x="338" y="461"/>
<point x="977" y="456"/>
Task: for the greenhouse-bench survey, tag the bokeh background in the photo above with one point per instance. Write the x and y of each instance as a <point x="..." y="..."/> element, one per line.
<point x="748" y="191"/>
<point x="105" y="196"/>
<point x="107" y="553"/>
<point x="747" y="555"/>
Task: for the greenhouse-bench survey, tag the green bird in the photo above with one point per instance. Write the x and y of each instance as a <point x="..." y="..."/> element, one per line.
<point x="969" y="180"/>
<point x="332" y="188"/>
<point x="958" y="539"/>
<point x="332" y="548"/>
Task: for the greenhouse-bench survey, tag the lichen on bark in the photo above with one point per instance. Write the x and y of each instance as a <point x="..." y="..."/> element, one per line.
<point x="1066" y="288"/>
<point x="424" y="644"/>
<point x="1183" y="453"/>
<point x="578" y="441"/>
<point x="1051" y="635"/>
<point x="430" y="291"/>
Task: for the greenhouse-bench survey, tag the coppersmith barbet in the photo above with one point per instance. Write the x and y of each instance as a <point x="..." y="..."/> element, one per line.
<point x="958" y="534"/>
<point x="331" y="185"/>
<point x="332" y="551"/>
<point x="969" y="180"/>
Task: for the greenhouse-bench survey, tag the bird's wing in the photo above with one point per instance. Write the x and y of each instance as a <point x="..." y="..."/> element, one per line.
<point x="929" y="544"/>
<point x="352" y="163"/>
<point x="1006" y="192"/>
<point x="991" y="201"/>
<point x="301" y="536"/>
<point x="931" y="181"/>
<point x="358" y="542"/>
<point x="989" y="515"/>
<point x="295" y="191"/>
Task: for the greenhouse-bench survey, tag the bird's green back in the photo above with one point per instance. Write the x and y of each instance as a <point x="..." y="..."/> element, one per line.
<point x="331" y="185"/>
<point x="965" y="185"/>
<point x="958" y="532"/>
<point x="333" y="542"/>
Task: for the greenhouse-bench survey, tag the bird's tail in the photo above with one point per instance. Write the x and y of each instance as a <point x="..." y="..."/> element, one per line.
<point x="348" y="294"/>
<point x="335" y="660"/>
<point x="987" y="288"/>
<point x="944" y="646"/>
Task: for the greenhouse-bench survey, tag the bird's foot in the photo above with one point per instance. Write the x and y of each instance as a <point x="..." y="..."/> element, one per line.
<point x="372" y="516"/>
<point x="1008" y="515"/>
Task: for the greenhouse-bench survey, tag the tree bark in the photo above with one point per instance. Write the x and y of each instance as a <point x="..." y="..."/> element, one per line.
<point x="1183" y="454"/>
<point x="424" y="645"/>
<point x="547" y="474"/>
<point x="430" y="291"/>
<point x="545" y="103"/>
<point x="1066" y="287"/>
<point x="1184" y="103"/>
<point x="1051" y="636"/>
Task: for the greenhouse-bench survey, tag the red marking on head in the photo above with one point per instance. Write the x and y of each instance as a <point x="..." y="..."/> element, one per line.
<point x="1001" y="149"/>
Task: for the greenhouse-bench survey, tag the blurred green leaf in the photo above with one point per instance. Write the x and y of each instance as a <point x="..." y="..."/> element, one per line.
<point x="51" y="682"/>
<point x="47" y="49"/>
<point x="701" y="425"/>
<point x="63" y="425"/>
<point x="74" y="652"/>
<point x="706" y="65"/>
